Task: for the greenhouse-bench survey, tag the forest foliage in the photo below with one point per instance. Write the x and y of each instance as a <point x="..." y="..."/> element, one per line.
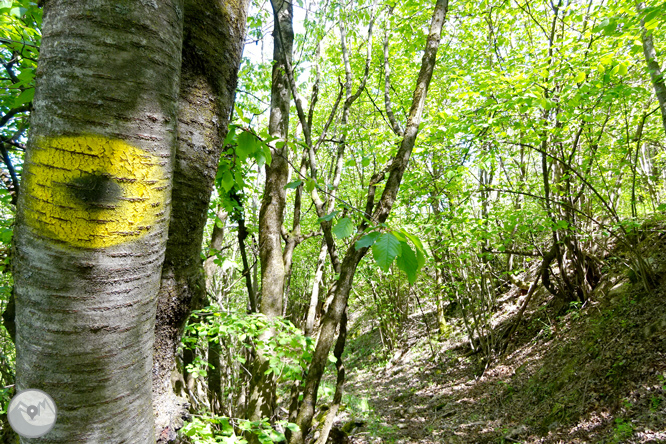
<point x="542" y="146"/>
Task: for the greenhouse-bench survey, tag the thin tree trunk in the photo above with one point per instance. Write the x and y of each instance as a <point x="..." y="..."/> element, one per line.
<point x="314" y="295"/>
<point x="212" y="46"/>
<point x="250" y="275"/>
<point x="262" y="400"/>
<point x="339" y="383"/>
<point x="353" y="256"/>
<point x="656" y="75"/>
<point x="293" y="238"/>
<point x="93" y="214"/>
<point x="216" y="243"/>
<point x="214" y="376"/>
<point x="214" y="349"/>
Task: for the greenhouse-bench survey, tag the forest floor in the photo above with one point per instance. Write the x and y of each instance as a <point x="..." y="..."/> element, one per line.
<point x="590" y="374"/>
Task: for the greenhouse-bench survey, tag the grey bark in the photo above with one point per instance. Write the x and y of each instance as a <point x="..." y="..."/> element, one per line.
<point x="262" y="401"/>
<point x="85" y="313"/>
<point x="216" y="245"/>
<point x="395" y="126"/>
<point x="214" y="32"/>
<point x="314" y="295"/>
<point x="214" y="349"/>
<point x="656" y="73"/>
<point x="339" y="382"/>
<point x="352" y="257"/>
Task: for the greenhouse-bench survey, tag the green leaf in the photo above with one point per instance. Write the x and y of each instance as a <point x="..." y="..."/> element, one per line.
<point x="231" y="135"/>
<point x="227" y="428"/>
<point x="309" y="185"/>
<point x="17" y="12"/>
<point x="267" y="154"/>
<point x="650" y="25"/>
<point x="400" y="235"/>
<point x="247" y="145"/>
<point x="385" y="249"/>
<point x="218" y="222"/>
<point x="293" y="427"/>
<point x="293" y="184"/>
<point x="25" y="97"/>
<point x="367" y="240"/>
<point x="227" y="181"/>
<point x="415" y="240"/>
<point x="580" y="77"/>
<point x="408" y="262"/>
<point x="329" y="217"/>
<point x="420" y="251"/>
<point x="651" y="14"/>
<point x="344" y="228"/>
<point x="610" y="27"/>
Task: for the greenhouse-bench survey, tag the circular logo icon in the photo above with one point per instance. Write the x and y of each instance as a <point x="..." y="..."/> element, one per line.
<point x="32" y="413"/>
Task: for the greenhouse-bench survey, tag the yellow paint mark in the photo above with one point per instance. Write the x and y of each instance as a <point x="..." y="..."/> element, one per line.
<point x="90" y="191"/>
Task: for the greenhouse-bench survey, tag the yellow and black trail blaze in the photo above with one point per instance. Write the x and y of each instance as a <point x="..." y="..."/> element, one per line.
<point x="91" y="191"/>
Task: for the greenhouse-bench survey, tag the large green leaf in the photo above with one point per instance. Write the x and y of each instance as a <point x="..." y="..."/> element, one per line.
<point x="343" y="228"/>
<point x="385" y="250"/>
<point x="407" y="262"/>
<point x="420" y="251"/>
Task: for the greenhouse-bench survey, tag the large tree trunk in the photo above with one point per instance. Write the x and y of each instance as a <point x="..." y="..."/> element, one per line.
<point x="261" y="401"/>
<point x="93" y="214"/>
<point x="213" y="42"/>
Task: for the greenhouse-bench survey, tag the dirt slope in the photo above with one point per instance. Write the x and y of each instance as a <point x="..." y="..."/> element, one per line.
<point x="595" y="374"/>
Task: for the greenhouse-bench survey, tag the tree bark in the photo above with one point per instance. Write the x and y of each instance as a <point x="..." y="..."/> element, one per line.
<point x="271" y="215"/>
<point x="314" y="295"/>
<point x="213" y="37"/>
<point x="215" y="247"/>
<point x="93" y="214"/>
<point x="656" y="75"/>
<point x="339" y="382"/>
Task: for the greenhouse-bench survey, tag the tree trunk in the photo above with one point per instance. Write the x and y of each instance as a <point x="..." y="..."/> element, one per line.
<point x="314" y="295"/>
<point x="93" y="214"/>
<point x="271" y="216"/>
<point x="339" y="382"/>
<point x="216" y="244"/>
<point x="212" y="45"/>
<point x="656" y="75"/>
<point x="352" y="256"/>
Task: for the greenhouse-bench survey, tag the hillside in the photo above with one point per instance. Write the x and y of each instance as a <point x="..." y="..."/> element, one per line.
<point x="590" y="374"/>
